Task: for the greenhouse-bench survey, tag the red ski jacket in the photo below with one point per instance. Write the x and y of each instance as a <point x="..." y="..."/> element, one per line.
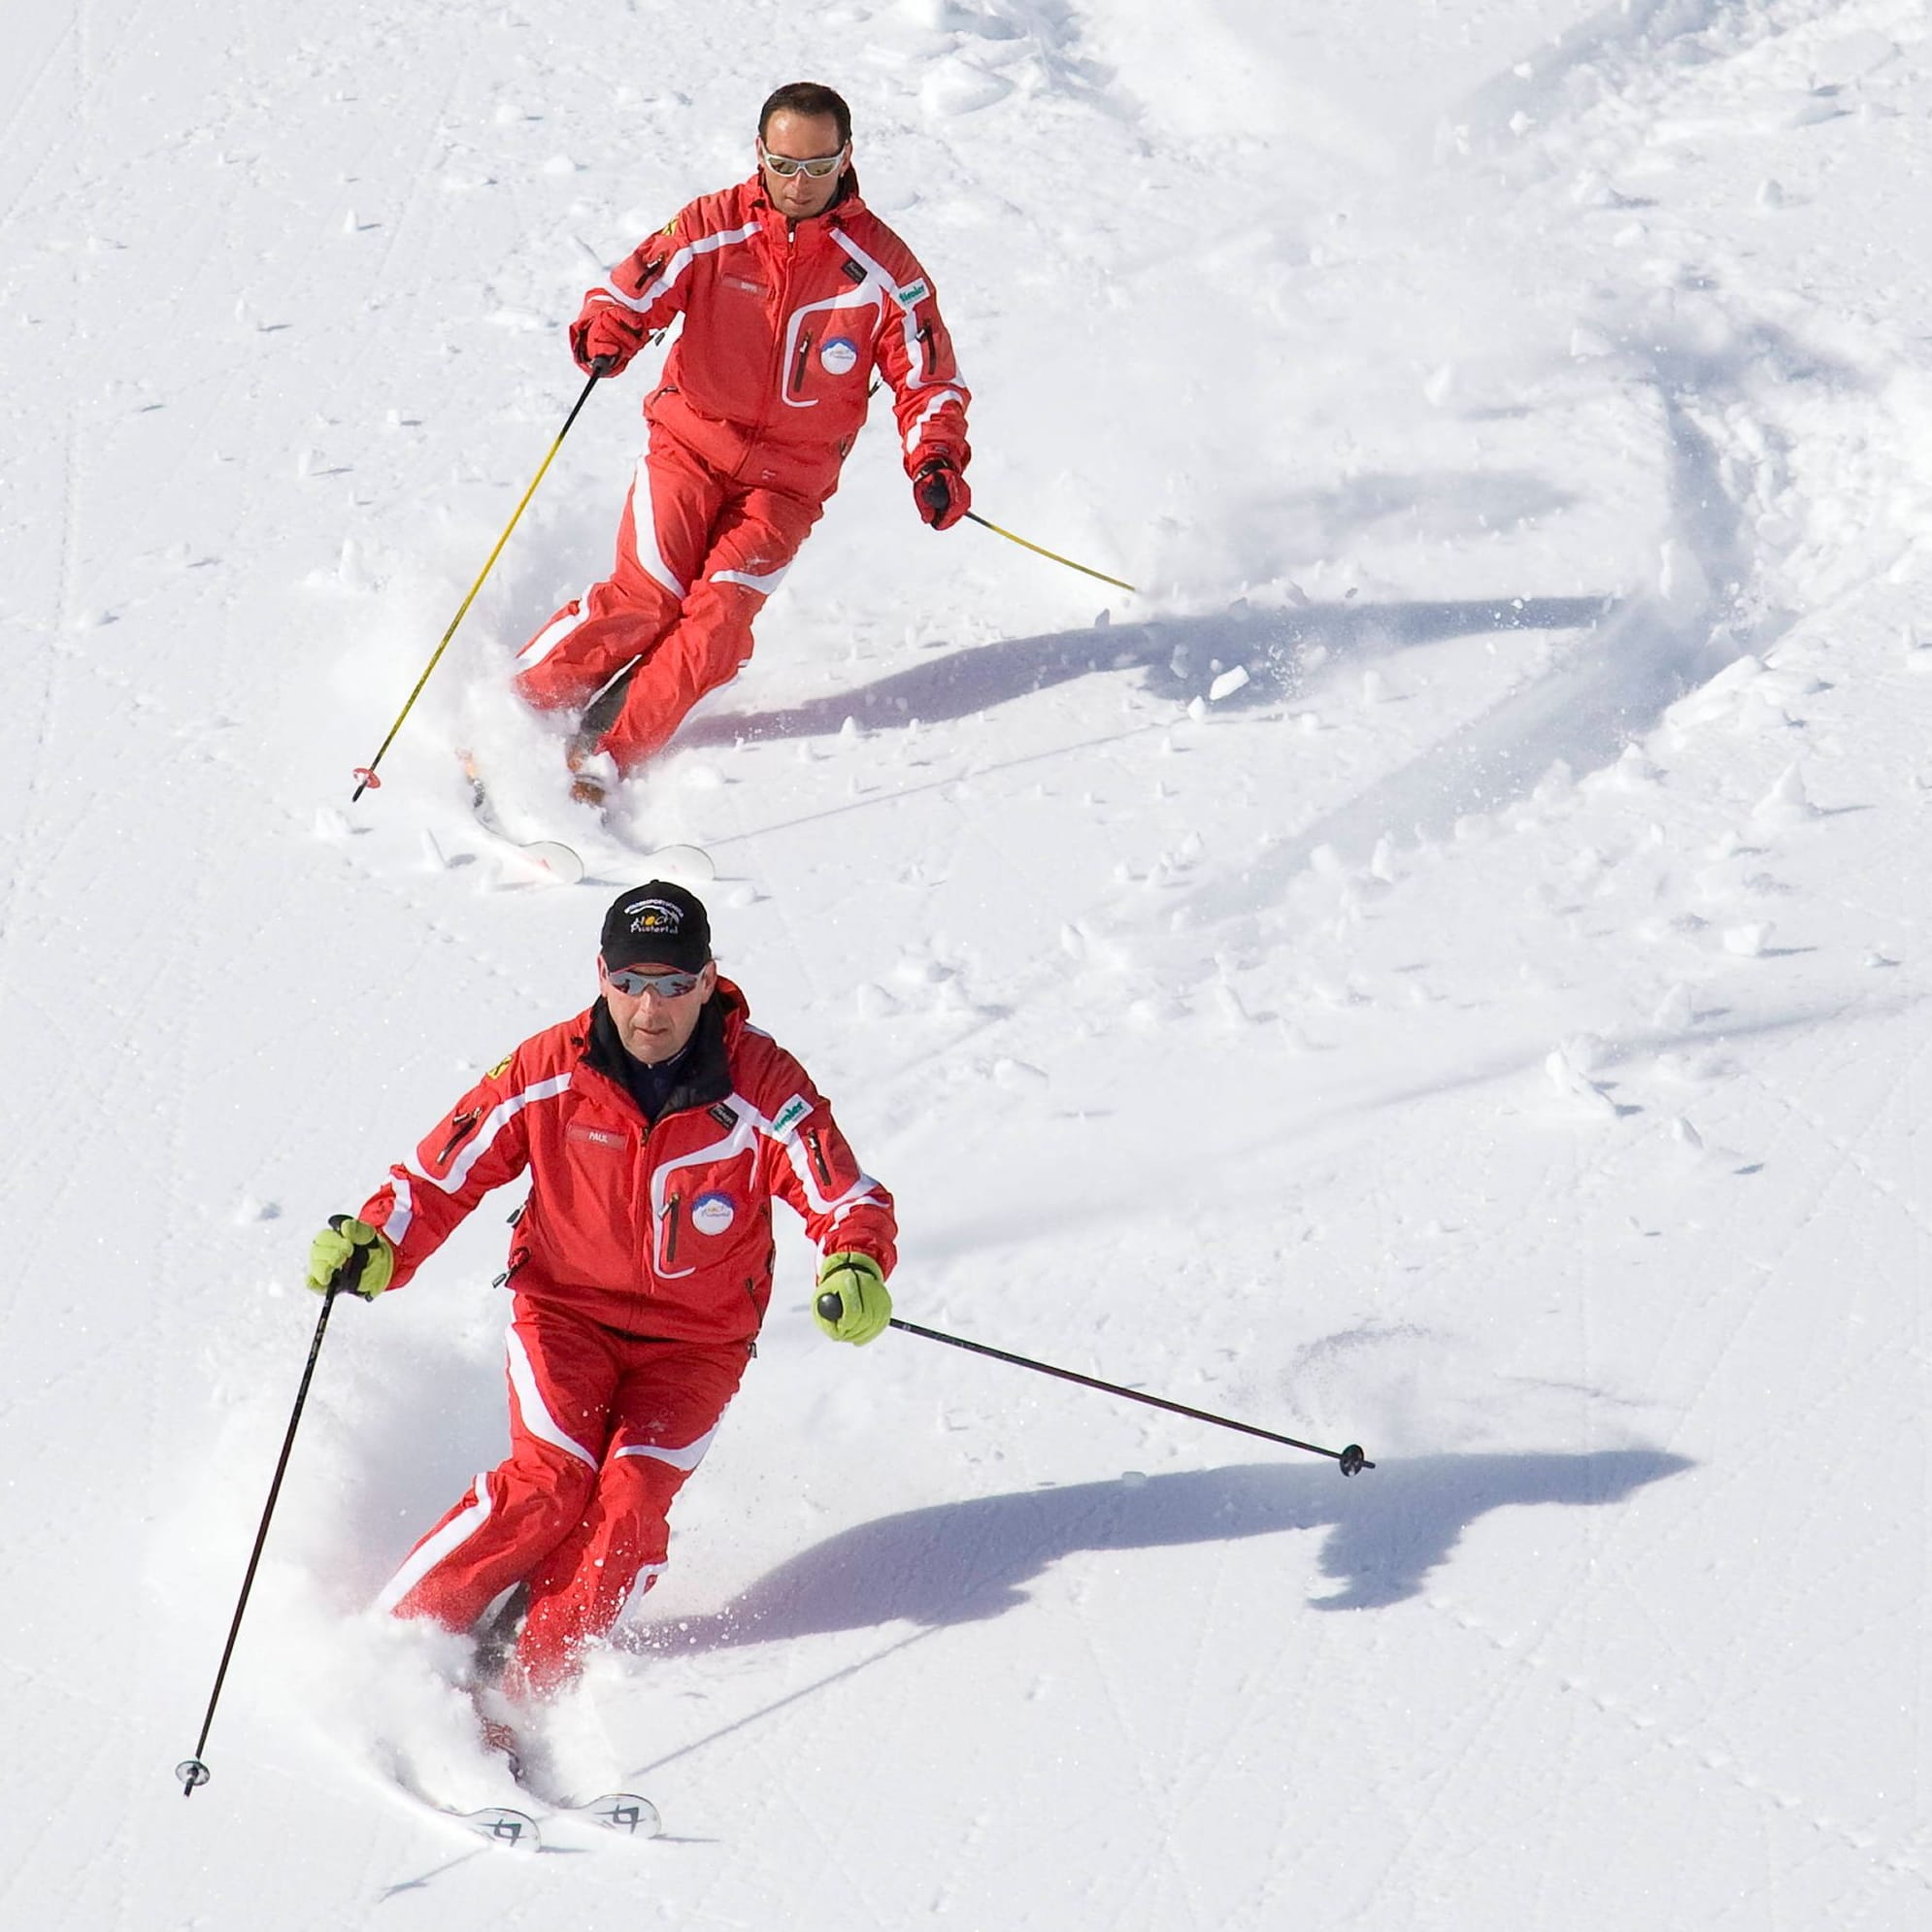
<point x="785" y="323"/>
<point x="662" y="1231"/>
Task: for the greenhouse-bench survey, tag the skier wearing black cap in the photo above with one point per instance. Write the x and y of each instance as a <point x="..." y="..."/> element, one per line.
<point x="656" y="1128"/>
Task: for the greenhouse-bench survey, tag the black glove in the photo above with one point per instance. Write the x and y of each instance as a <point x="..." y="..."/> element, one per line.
<point x="941" y="492"/>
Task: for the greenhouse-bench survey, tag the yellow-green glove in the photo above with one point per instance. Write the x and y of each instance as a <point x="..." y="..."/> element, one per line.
<point x="852" y="1304"/>
<point x="351" y="1254"/>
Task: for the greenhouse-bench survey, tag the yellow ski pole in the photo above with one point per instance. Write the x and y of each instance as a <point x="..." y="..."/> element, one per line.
<point x="365" y="775"/>
<point x="1040" y="550"/>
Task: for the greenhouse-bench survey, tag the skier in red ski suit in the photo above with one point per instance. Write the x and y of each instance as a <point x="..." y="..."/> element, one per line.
<point x="656" y="1129"/>
<point x="792" y="294"/>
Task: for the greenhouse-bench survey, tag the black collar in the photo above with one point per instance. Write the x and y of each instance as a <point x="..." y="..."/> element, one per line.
<point x="699" y="1076"/>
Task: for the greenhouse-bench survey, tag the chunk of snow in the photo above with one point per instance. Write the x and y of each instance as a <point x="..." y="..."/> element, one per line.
<point x="1785" y="803"/>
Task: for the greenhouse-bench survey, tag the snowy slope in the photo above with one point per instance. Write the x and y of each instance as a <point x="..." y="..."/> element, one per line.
<point x="1494" y="1032"/>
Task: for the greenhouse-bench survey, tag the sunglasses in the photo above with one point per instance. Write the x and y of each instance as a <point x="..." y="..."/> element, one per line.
<point x="784" y="167"/>
<point x="634" y="982"/>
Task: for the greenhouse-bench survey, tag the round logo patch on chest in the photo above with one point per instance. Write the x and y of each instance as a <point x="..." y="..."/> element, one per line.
<point x="713" y="1213"/>
<point x="839" y="356"/>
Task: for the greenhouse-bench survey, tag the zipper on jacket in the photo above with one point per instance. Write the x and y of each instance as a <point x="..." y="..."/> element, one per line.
<point x="781" y="310"/>
<point x="818" y="1160"/>
<point x="798" y="363"/>
<point x="671" y="1231"/>
<point x="460" y="1130"/>
<point x="648" y="1284"/>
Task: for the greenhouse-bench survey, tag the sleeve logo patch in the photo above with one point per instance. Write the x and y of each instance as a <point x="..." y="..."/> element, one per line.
<point x="915" y="292"/>
<point x="501" y="1067"/>
<point x="784" y="1122"/>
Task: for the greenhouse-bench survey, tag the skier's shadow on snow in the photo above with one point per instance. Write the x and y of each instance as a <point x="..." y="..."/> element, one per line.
<point x="963" y="1562"/>
<point x="1179" y="657"/>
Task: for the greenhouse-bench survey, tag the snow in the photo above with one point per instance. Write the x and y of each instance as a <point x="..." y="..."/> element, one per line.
<point x="1441" y="967"/>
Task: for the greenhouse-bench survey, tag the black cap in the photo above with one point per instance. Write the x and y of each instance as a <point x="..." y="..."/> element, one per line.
<point x="656" y="925"/>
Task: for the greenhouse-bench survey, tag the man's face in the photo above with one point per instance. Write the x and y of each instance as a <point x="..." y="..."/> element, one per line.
<point x="802" y="137"/>
<point x="653" y="1026"/>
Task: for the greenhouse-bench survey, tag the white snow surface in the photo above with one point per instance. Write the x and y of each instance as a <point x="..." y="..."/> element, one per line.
<point x="1494" y="1030"/>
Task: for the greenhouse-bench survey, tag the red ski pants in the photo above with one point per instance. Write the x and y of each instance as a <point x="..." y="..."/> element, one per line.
<point x="604" y="1428"/>
<point x="697" y="556"/>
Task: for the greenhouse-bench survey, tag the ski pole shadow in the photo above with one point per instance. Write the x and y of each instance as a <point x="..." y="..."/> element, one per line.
<point x="1179" y="657"/>
<point x="964" y="1562"/>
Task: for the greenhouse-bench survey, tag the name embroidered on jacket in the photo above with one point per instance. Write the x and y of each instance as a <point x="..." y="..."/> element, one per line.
<point x="603" y="1137"/>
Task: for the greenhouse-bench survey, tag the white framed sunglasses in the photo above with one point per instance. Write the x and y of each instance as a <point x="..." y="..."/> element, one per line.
<point x="634" y="982"/>
<point x="785" y="166"/>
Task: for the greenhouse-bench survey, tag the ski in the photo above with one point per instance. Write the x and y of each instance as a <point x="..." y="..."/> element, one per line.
<point x="624" y="1813"/>
<point x="689" y="865"/>
<point x="495" y="1824"/>
<point x="549" y="855"/>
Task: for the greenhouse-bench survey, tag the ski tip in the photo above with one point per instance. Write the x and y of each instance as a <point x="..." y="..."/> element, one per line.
<point x="625" y="1811"/>
<point x="689" y="865"/>
<point x="559" y="860"/>
<point x="499" y="1824"/>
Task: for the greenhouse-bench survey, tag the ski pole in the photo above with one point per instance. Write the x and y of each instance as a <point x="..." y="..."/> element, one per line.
<point x="365" y="775"/>
<point x="192" y="1771"/>
<point x="1040" y="550"/>
<point x="1351" y="1458"/>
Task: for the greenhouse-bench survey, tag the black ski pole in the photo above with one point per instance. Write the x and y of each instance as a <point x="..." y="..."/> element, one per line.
<point x="1351" y="1458"/>
<point x="192" y="1771"/>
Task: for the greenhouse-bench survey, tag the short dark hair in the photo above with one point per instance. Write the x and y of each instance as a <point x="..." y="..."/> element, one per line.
<point x="807" y="97"/>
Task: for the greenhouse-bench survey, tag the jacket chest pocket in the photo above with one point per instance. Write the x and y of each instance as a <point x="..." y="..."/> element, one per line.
<point x="828" y="359"/>
<point x="705" y="1211"/>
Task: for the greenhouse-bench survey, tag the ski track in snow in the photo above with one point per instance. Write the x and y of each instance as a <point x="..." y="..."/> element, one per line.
<point x="1494" y="1032"/>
